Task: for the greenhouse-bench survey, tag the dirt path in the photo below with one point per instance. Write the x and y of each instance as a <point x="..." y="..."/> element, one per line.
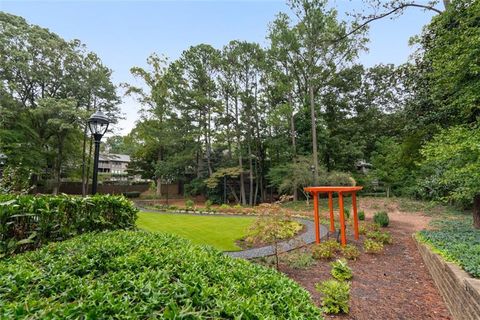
<point x="392" y="285"/>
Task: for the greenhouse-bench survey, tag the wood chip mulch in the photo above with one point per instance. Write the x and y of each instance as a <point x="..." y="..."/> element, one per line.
<point x="392" y="285"/>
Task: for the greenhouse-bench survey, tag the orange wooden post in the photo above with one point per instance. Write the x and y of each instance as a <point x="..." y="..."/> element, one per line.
<point x="355" y="215"/>
<point x="316" y="218"/>
<point x="330" y="206"/>
<point x="342" y="219"/>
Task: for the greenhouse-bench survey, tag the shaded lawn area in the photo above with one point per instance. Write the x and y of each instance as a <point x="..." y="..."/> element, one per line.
<point x="217" y="231"/>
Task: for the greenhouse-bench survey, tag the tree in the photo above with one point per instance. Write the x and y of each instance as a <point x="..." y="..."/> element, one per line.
<point x="452" y="166"/>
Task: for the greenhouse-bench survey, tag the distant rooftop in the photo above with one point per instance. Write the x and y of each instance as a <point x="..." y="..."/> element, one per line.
<point x="114" y="157"/>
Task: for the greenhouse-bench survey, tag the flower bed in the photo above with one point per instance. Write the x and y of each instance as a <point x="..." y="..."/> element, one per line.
<point x="139" y="275"/>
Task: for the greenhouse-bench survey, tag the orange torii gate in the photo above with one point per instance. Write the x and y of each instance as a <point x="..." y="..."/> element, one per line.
<point x="341" y="191"/>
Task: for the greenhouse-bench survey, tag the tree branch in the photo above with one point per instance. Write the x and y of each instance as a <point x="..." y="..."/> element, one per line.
<point x="386" y="14"/>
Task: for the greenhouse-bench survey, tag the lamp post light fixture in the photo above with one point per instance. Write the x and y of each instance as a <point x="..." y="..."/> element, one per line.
<point x="98" y="125"/>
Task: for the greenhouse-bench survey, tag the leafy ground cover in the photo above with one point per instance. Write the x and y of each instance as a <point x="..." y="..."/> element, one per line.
<point x="139" y="275"/>
<point x="457" y="241"/>
<point x="217" y="231"/>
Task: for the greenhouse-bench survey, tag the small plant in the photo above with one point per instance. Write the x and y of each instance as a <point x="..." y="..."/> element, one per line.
<point x="361" y="215"/>
<point x="346" y="212"/>
<point x="335" y="296"/>
<point x="383" y="237"/>
<point x="362" y="229"/>
<point x="372" y="227"/>
<point x="224" y="206"/>
<point x="189" y="204"/>
<point x="326" y="250"/>
<point x="371" y="246"/>
<point x="208" y="205"/>
<point x="381" y="219"/>
<point x="350" y="252"/>
<point x="340" y="270"/>
<point x="238" y="206"/>
<point x="300" y="260"/>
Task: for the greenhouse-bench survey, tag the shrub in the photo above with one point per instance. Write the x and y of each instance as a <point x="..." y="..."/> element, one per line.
<point x="132" y="194"/>
<point x="269" y="229"/>
<point x="224" y="206"/>
<point x="361" y="215"/>
<point x="141" y="275"/>
<point x="300" y="260"/>
<point x="340" y="270"/>
<point x="362" y="229"/>
<point x="381" y="219"/>
<point x="371" y="246"/>
<point x="383" y="237"/>
<point x="27" y="222"/>
<point x="189" y="204"/>
<point x="326" y="249"/>
<point x="208" y="205"/>
<point x="335" y="296"/>
<point x="350" y="252"/>
<point x="346" y="212"/>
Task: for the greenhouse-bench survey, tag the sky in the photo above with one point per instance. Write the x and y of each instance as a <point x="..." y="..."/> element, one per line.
<point x="125" y="33"/>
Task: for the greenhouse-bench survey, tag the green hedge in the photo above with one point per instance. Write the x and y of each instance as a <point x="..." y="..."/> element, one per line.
<point x="141" y="275"/>
<point x="457" y="241"/>
<point x="27" y="221"/>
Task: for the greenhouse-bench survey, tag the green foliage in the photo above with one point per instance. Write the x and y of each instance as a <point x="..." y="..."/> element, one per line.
<point x="217" y="176"/>
<point x="371" y="246"/>
<point x="457" y="241"/>
<point x="208" y="204"/>
<point x="383" y="237"/>
<point x="346" y="212"/>
<point x="300" y="260"/>
<point x="350" y="252"/>
<point x="361" y="215"/>
<point x="27" y="222"/>
<point x="189" y="204"/>
<point x="140" y="275"/>
<point x="340" y="270"/>
<point x="326" y="249"/>
<point x="335" y="296"/>
<point x="268" y="229"/>
<point x="381" y="218"/>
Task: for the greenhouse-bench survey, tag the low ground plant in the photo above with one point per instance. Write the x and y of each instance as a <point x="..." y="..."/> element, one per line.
<point x="457" y="241"/>
<point x="143" y="275"/>
<point x="340" y="270"/>
<point x="361" y="215"/>
<point x="326" y="249"/>
<point x="383" y="237"/>
<point x="300" y="260"/>
<point x="335" y="296"/>
<point x="189" y="204"/>
<point x="372" y="246"/>
<point x="350" y="252"/>
<point x="381" y="218"/>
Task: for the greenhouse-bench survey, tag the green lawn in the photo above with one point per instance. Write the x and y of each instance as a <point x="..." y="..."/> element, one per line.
<point x="217" y="231"/>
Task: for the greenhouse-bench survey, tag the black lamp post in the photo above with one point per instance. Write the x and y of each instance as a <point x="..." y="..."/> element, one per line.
<point x="98" y="125"/>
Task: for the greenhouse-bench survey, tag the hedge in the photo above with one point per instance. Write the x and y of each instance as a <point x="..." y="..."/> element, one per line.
<point x="27" y="221"/>
<point x="142" y="275"/>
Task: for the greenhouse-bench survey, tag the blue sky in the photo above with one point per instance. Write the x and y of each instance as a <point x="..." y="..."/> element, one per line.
<point x="125" y="33"/>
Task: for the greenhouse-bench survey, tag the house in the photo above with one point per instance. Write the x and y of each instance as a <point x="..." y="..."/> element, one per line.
<point x="114" y="164"/>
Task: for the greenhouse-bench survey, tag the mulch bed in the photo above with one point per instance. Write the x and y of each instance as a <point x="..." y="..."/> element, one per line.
<point x="392" y="285"/>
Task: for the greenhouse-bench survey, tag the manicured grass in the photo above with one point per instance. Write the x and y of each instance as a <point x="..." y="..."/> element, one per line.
<point x="217" y="231"/>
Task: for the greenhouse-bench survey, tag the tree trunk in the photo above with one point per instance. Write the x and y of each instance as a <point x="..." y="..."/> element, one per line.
<point x="250" y="169"/>
<point x="243" y="199"/>
<point x="158" y="192"/>
<point x="314" y="134"/>
<point x="476" y="211"/>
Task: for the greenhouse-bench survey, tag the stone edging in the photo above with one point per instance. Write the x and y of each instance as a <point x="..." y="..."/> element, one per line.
<point x="459" y="290"/>
<point x="300" y="240"/>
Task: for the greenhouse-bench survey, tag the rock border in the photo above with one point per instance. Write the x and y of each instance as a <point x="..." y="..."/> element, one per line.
<point x="301" y="240"/>
<point x="459" y="290"/>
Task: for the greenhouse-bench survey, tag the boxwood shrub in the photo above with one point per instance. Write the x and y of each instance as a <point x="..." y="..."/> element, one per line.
<point x="140" y="275"/>
<point x="27" y="221"/>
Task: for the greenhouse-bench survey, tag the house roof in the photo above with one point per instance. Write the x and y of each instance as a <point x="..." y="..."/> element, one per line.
<point x="114" y="157"/>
